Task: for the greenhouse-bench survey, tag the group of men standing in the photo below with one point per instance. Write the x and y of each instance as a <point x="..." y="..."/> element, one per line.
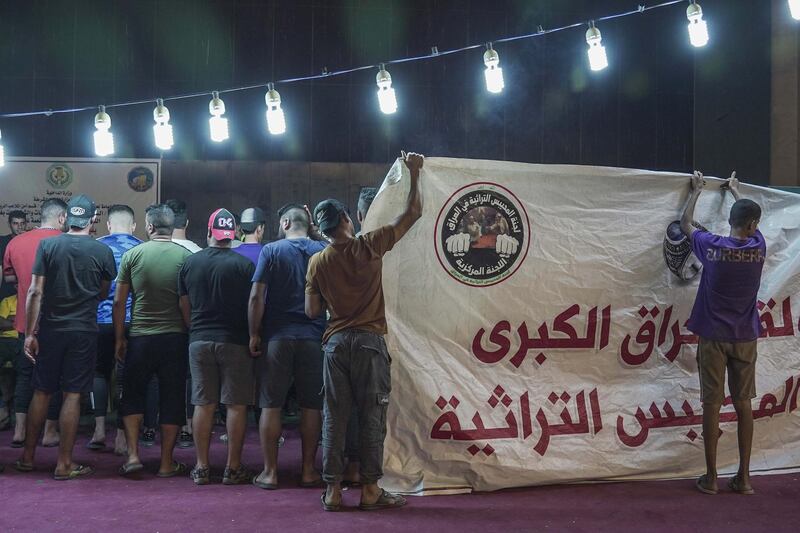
<point x="242" y="322"/>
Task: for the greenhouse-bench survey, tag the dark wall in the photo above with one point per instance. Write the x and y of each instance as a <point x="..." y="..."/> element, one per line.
<point x="637" y="113"/>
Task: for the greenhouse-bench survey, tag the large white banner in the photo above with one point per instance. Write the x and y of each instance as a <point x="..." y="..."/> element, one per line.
<point x="27" y="182"/>
<point x="538" y="337"/>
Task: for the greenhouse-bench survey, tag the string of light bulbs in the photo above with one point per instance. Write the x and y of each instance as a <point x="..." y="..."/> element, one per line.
<point x="387" y="100"/>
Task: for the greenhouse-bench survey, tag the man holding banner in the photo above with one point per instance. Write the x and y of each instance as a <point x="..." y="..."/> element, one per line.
<point x="726" y="319"/>
<point x="346" y="277"/>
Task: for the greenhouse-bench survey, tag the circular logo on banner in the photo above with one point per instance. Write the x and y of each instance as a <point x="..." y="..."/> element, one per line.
<point x="140" y="179"/>
<point x="482" y="234"/>
<point x="59" y="175"/>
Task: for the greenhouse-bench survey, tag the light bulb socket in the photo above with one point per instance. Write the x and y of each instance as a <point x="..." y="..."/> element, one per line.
<point x="160" y="113"/>
<point x="383" y="78"/>
<point x="694" y="11"/>
<point x="101" y="119"/>
<point x="593" y="35"/>
<point x="216" y="106"/>
<point x="272" y="97"/>
<point x="490" y="57"/>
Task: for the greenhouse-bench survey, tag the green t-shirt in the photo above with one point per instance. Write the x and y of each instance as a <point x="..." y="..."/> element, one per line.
<point x="151" y="269"/>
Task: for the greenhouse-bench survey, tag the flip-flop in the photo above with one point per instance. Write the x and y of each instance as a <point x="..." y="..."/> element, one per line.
<point x="96" y="445"/>
<point x="19" y="466"/>
<point x="130" y="468"/>
<point x="264" y="485"/>
<point x="733" y="484"/>
<point x="701" y="488"/>
<point x="17" y="443"/>
<point x="327" y="506"/>
<point x="179" y="468"/>
<point x="51" y="444"/>
<point x="75" y="473"/>
<point x="386" y="500"/>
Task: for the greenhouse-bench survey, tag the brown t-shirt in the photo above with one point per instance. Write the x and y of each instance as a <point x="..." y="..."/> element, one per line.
<point x="348" y="277"/>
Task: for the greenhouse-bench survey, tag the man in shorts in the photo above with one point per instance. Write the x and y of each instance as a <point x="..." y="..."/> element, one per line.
<point x="214" y="285"/>
<point x="346" y="277"/>
<point x="725" y="317"/>
<point x="158" y="344"/>
<point x="71" y="275"/>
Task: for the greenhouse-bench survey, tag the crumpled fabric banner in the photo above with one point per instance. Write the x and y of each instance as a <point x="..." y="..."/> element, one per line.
<point x="538" y="336"/>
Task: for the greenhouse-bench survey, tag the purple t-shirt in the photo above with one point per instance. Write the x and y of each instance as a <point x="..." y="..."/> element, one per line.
<point x="249" y="250"/>
<point x="725" y="306"/>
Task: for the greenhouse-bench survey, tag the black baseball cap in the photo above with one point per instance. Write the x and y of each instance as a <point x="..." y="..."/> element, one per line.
<point x="251" y="218"/>
<point x="80" y="211"/>
<point x="328" y="213"/>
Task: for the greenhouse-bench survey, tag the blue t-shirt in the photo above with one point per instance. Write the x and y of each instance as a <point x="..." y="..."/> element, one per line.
<point x="250" y="250"/>
<point x="282" y="267"/>
<point x="725" y="307"/>
<point x="119" y="244"/>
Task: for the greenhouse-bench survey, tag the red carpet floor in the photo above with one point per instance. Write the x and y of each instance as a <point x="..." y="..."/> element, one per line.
<point x="107" y="502"/>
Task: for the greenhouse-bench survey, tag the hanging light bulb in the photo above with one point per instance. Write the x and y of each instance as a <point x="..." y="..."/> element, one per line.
<point x="698" y="29"/>
<point x="794" y="7"/>
<point x="276" y="121"/>
<point x="493" y="72"/>
<point x="162" y="131"/>
<point x="217" y="124"/>
<point x="386" y="97"/>
<point x="598" y="60"/>
<point x="103" y="138"/>
<point x="2" y="152"/>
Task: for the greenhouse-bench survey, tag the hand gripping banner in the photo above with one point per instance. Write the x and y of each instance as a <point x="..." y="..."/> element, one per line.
<point x="537" y="328"/>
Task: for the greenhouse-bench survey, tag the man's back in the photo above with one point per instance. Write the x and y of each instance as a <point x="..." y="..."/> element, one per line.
<point x="282" y="265"/>
<point x="119" y="244"/>
<point x="18" y="260"/>
<point x="74" y="267"/>
<point x="349" y="278"/>
<point x="217" y="282"/>
<point x="725" y="307"/>
<point x="151" y="269"/>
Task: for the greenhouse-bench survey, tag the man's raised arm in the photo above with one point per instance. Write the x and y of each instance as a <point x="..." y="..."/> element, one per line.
<point x="413" y="210"/>
<point x="698" y="182"/>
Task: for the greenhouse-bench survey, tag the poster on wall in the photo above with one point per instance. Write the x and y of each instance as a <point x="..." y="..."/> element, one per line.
<point x="26" y="182"/>
<point x="538" y="332"/>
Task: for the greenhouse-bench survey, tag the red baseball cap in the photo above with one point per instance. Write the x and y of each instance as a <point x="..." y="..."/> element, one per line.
<point x="222" y="225"/>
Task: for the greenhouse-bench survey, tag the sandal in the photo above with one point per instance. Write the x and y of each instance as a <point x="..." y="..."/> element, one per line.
<point x="329" y="506"/>
<point x="130" y="468"/>
<point x="78" y="471"/>
<point x="386" y="500"/>
<point x="17" y="443"/>
<point x="19" y="466"/>
<point x="736" y="487"/>
<point x="700" y="484"/>
<point x="200" y="476"/>
<point x="96" y="445"/>
<point x="263" y="484"/>
<point x="179" y="468"/>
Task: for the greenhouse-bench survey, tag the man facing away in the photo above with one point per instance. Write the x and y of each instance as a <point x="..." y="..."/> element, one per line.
<point x="158" y="344"/>
<point x="214" y="285"/>
<point x="72" y="273"/>
<point x="725" y="317"/>
<point x="346" y="278"/>
<point x="253" y="221"/>
<point x="121" y="225"/>
<point x="179" y="237"/>
<point x="18" y="261"/>
<point x="276" y="314"/>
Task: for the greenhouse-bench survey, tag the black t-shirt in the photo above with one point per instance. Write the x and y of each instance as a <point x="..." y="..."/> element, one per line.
<point x="217" y="282"/>
<point x="74" y="267"/>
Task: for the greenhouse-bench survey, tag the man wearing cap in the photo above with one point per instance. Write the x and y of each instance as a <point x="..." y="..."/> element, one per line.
<point x="276" y="315"/>
<point x="253" y="221"/>
<point x="71" y="275"/>
<point x="157" y="343"/>
<point x="346" y="277"/>
<point x="18" y="260"/>
<point x="214" y="285"/>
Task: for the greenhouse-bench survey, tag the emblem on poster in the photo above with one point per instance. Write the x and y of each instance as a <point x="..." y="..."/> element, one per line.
<point x="59" y="175"/>
<point x="482" y="234"/>
<point x="140" y="179"/>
